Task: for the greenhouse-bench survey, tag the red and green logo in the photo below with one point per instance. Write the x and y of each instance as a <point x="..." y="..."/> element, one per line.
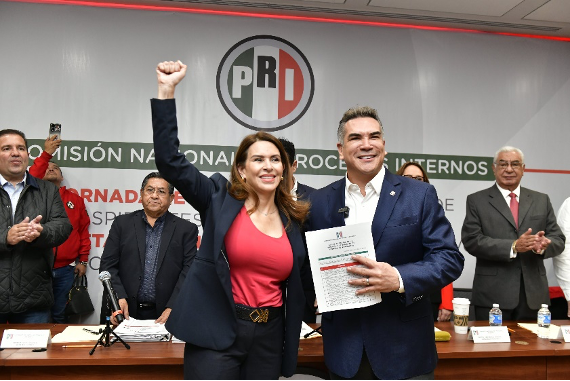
<point x="265" y="83"/>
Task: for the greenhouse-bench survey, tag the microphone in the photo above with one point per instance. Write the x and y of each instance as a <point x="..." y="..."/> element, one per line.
<point x="105" y="278"/>
<point x="344" y="211"/>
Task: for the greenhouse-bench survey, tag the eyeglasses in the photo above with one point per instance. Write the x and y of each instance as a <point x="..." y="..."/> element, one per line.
<point x="503" y="164"/>
<point x="150" y="191"/>
<point x="420" y="178"/>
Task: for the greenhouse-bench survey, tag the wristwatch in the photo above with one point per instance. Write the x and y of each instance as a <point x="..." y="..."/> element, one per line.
<point x="83" y="263"/>
<point x="514" y="247"/>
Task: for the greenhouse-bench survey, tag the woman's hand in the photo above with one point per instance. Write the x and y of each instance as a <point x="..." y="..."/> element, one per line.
<point x="169" y="74"/>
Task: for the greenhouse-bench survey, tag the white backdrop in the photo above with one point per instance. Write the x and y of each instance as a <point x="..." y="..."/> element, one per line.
<point x="450" y="98"/>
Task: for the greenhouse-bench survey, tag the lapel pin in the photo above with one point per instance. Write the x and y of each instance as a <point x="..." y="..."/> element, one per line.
<point x="392" y="193"/>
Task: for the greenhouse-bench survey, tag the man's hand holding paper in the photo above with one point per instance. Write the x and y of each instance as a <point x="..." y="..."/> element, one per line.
<point x="375" y="277"/>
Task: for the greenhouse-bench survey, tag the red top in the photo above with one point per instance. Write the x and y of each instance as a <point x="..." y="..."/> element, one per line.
<point x="555" y="292"/>
<point x="259" y="264"/>
<point x="40" y="165"/>
<point x="446" y="297"/>
<point x="78" y="244"/>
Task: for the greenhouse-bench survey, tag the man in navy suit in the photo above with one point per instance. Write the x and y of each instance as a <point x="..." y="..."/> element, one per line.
<point x="416" y="255"/>
<point x="302" y="192"/>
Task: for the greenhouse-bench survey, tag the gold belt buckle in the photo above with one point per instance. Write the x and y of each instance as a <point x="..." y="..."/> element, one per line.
<point x="262" y="315"/>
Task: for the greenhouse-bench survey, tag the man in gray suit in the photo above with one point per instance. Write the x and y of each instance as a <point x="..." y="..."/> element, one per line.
<point x="510" y="251"/>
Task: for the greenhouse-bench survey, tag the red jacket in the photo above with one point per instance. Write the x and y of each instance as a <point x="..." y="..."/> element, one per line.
<point x="78" y="244"/>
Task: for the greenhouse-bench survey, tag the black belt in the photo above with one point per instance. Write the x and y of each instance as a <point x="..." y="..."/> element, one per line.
<point x="257" y="315"/>
<point x="147" y="305"/>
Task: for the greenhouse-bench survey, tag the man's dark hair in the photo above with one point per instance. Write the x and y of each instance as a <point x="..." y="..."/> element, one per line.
<point x="157" y="175"/>
<point x="289" y="149"/>
<point x="357" y="112"/>
<point x="10" y="131"/>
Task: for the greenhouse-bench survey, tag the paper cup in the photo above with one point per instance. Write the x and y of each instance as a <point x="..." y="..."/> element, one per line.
<point x="461" y="314"/>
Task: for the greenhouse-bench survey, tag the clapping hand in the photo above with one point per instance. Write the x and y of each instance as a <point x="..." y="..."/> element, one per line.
<point x="535" y="242"/>
<point x="25" y="231"/>
<point x="541" y="243"/>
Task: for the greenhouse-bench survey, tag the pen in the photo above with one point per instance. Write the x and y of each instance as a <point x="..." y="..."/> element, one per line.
<point x="316" y="330"/>
<point x="76" y="346"/>
<point x="93" y="332"/>
<point x="511" y="330"/>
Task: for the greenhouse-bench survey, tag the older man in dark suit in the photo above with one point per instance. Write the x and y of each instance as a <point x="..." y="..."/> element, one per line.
<point x="510" y="230"/>
<point x="148" y="253"/>
<point x="416" y="254"/>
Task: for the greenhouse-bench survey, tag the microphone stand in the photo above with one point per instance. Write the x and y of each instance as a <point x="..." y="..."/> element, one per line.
<point x="104" y="339"/>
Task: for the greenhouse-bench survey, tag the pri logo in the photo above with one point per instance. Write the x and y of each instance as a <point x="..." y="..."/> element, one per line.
<point x="338" y="235"/>
<point x="265" y="83"/>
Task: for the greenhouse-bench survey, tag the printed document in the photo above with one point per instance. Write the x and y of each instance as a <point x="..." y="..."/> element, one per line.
<point x="133" y="330"/>
<point x="330" y="252"/>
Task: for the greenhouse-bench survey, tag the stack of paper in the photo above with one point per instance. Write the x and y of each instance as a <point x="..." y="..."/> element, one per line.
<point x="555" y="332"/>
<point x="133" y="330"/>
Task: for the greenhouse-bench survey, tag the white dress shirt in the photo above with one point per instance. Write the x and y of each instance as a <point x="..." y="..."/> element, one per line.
<point x="14" y="192"/>
<point x="562" y="262"/>
<point x="294" y="190"/>
<point x="363" y="207"/>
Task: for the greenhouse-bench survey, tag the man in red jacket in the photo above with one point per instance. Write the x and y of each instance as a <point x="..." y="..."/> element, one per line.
<point x="70" y="257"/>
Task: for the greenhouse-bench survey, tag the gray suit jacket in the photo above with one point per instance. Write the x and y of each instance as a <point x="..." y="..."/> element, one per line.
<point x="488" y="232"/>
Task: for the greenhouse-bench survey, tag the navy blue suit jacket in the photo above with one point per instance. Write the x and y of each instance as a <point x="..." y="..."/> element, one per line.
<point x="410" y="232"/>
<point x="304" y="191"/>
<point x="205" y="313"/>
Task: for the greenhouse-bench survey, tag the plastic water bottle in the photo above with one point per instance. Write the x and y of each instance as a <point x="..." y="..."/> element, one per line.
<point x="543" y="320"/>
<point x="495" y="316"/>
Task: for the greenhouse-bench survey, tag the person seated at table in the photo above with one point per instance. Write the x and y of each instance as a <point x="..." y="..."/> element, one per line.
<point x="148" y="254"/>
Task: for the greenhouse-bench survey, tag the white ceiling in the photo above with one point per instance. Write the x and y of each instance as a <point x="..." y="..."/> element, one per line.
<point x="526" y="17"/>
<point x="548" y="18"/>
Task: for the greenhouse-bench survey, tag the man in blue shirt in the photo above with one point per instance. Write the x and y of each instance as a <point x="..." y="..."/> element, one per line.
<point x="32" y="222"/>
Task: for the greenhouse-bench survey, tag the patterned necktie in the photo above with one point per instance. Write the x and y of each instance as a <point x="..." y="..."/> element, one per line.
<point x="515" y="208"/>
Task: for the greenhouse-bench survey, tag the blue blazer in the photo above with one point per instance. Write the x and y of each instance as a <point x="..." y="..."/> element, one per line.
<point x="204" y="314"/>
<point x="410" y="232"/>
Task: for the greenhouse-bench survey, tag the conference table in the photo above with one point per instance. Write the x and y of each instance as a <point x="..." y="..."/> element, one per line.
<point x="525" y="357"/>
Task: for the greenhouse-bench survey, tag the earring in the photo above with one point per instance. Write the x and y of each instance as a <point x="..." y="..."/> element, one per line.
<point x="281" y="178"/>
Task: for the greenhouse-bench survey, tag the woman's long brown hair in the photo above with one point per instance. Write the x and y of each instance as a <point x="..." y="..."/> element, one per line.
<point x="239" y="189"/>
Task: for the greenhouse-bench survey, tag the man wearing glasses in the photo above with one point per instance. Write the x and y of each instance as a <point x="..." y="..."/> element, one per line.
<point x="510" y="230"/>
<point x="148" y="253"/>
